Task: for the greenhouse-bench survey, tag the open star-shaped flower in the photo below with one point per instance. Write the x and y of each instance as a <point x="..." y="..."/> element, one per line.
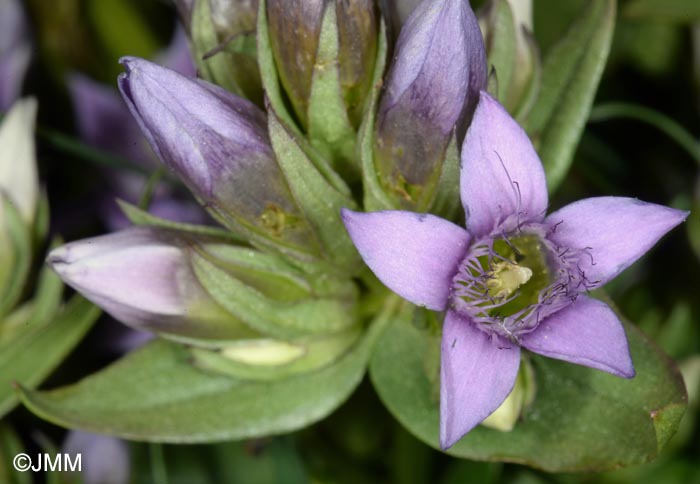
<point x="515" y="277"/>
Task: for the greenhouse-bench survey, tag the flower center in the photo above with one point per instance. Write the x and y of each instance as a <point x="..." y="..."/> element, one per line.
<point x="508" y="283"/>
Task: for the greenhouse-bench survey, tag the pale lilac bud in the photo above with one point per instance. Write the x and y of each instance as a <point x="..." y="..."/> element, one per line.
<point x="218" y="144"/>
<point x="143" y="277"/>
<point x="432" y="89"/>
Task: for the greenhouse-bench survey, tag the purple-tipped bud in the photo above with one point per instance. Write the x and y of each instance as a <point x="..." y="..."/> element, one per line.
<point x="14" y="52"/>
<point x="357" y="37"/>
<point x="143" y="278"/>
<point x="217" y="143"/>
<point x="295" y="26"/>
<point x="432" y="89"/>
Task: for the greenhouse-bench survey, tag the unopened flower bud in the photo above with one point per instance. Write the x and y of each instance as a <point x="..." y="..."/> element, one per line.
<point x="295" y="27"/>
<point x="18" y="174"/>
<point x="223" y="36"/>
<point x="217" y="143"/>
<point x="432" y="89"/>
<point x="513" y="54"/>
<point x="143" y="277"/>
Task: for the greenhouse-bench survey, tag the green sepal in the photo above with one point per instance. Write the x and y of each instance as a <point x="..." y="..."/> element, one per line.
<point x="273" y="318"/>
<point x="375" y="198"/>
<point x="33" y="353"/>
<point x="269" y="274"/>
<point x="602" y="421"/>
<point x="319" y="200"/>
<point x="330" y="129"/>
<point x="531" y="91"/>
<point x="231" y="64"/>
<point x="447" y="193"/>
<point x="570" y="75"/>
<point x="501" y="45"/>
<point x="156" y="394"/>
<point x="138" y="216"/>
<point x="17" y="237"/>
<point x="311" y="355"/>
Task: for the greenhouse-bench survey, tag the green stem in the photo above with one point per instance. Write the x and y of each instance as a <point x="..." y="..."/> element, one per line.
<point x="149" y="190"/>
<point x="80" y="150"/>
<point x="673" y="129"/>
<point x="159" y="473"/>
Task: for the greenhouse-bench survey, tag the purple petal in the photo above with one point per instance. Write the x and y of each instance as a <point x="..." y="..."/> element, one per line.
<point x="415" y="255"/>
<point x="614" y="231"/>
<point x="501" y="174"/>
<point x="104" y="458"/>
<point x="586" y="333"/>
<point x="477" y="372"/>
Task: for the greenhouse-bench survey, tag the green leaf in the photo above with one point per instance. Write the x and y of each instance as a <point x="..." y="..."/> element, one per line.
<point x="570" y="76"/>
<point x="32" y="354"/>
<point x="375" y="198"/>
<point x="330" y="129"/>
<point x="686" y="11"/>
<point x="155" y="394"/>
<point x="141" y="217"/>
<point x="316" y="197"/>
<point x="581" y="419"/>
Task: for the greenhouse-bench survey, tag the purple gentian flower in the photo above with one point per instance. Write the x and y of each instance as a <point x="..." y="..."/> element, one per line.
<point x="515" y="277"/>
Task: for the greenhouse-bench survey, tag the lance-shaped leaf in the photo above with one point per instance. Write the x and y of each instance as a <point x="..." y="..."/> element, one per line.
<point x="143" y="277"/>
<point x="155" y="394"/>
<point x="570" y="75"/>
<point x="432" y="89"/>
<point x="218" y="144"/>
<point x="40" y="345"/>
<point x="223" y="37"/>
<point x="580" y="420"/>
